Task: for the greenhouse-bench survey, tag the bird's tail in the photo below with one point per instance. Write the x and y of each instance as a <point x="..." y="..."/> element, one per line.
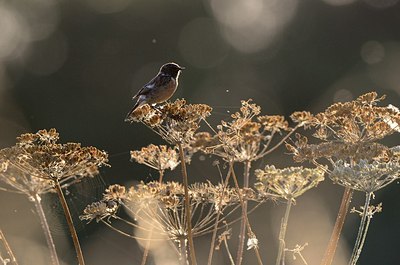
<point x="137" y="105"/>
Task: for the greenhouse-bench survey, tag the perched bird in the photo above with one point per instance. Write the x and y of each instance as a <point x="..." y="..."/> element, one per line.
<point x="160" y="88"/>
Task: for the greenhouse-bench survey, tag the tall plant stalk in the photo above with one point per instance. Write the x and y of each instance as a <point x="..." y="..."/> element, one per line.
<point x="362" y="231"/>
<point x="12" y="260"/>
<point x="45" y="226"/>
<point x="242" y="233"/>
<point x="337" y="229"/>
<point x="244" y="216"/>
<point x="70" y="223"/>
<point x="187" y="206"/>
<point x="282" y="233"/>
<point x="215" y="229"/>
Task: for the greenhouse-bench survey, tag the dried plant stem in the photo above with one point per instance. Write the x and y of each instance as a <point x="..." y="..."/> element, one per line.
<point x="183" y="251"/>
<point x="249" y="230"/>
<point x="9" y="251"/>
<point x="229" y="253"/>
<point x="161" y="175"/>
<point x="215" y="229"/>
<point x="147" y="248"/>
<point x="187" y="206"/>
<point x="46" y="230"/>
<point x="362" y="230"/>
<point x="337" y="229"/>
<point x="282" y="233"/>
<point x="242" y="233"/>
<point x="70" y="223"/>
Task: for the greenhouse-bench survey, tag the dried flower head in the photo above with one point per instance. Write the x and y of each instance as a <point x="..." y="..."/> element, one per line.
<point x="175" y="122"/>
<point x="37" y="160"/>
<point x="365" y="176"/>
<point x="348" y="131"/>
<point x="160" y="207"/>
<point x="247" y="137"/>
<point x="99" y="210"/>
<point x="158" y="157"/>
<point x="288" y="183"/>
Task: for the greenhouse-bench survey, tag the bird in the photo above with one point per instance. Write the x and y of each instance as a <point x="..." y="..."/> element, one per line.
<point x="159" y="89"/>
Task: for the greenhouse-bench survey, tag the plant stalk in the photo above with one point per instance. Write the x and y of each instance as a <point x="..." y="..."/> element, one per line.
<point x="70" y="223"/>
<point x="242" y="234"/>
<point x="183" y="251"/>
<point x="282" y="233"/>
<point x="215" y="230"/>
<point x="187" y="206"/>
<point x="46" y="230"/>
<point x="337" y="229"/>
<point x="9" y="251"/>
<point x="249" y="230"/>
<point x="362" y="231"/>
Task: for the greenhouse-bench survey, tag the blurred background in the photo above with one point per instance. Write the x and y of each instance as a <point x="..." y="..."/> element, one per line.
<point x="74" y="65"/>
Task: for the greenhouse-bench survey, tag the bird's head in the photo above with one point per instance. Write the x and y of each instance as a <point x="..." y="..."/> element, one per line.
<point x="171" y="69"/>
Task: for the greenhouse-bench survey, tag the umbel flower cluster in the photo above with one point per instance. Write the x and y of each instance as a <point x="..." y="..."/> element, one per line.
<point x="175" y="122"/>
<point x="37" y="160"/>
<point x="247" y="137"/>
<point x="158" y="207"/>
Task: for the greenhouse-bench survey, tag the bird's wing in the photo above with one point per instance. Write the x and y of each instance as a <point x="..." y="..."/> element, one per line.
<point x="146" y="88"/>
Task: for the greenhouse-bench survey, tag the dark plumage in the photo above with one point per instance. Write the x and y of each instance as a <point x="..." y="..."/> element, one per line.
<point x="160" y="88"/>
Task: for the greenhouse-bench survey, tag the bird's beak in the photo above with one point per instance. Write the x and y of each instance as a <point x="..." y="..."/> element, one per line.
<point x="181" y="68"/>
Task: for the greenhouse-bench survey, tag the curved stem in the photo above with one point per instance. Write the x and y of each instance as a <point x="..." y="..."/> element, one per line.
<point x="45" y="226"/>
<point x="242" y="234"/>
<point x="70" y="223"/>
<point x="337" y="229"/>
<point x="282" y="233"/>
<point x="229" y="253"/>
<point x="12" y="260"/>
<point x="187" y="206"/>
<point x="362" y="231"/>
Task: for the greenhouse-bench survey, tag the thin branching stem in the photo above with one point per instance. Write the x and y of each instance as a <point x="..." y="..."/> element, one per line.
<point x="8" y="249"/>
<point x="362" y="230"/>
<point x="46" y="230"/>
<point x="242" y="234"/>
<point x="249" y="230"/>
<point x="337" y="229"/>
<point x="282" y="233"/>
<point x="228" y="251"/>
<point x="187" y="206"/>
<point x="70" y="223"/>
<point x="217" y="221"/>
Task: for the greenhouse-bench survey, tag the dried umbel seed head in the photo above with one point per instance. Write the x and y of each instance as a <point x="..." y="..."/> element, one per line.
<point x="38" y="155"/>
<point x="248" y="136"/>
<point x="115" y="193"/>
<point x="349" y="131"/>
<point x="288" y="183"/>
<point x="360" y="120"/>
<point x="176" y="122"/>
<point x="365" y="176"/>
<point x="303" y="151"/>
<point x="158" y="157"/>
<point x="274" y="123"/>
<point x="99" y="210"/>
